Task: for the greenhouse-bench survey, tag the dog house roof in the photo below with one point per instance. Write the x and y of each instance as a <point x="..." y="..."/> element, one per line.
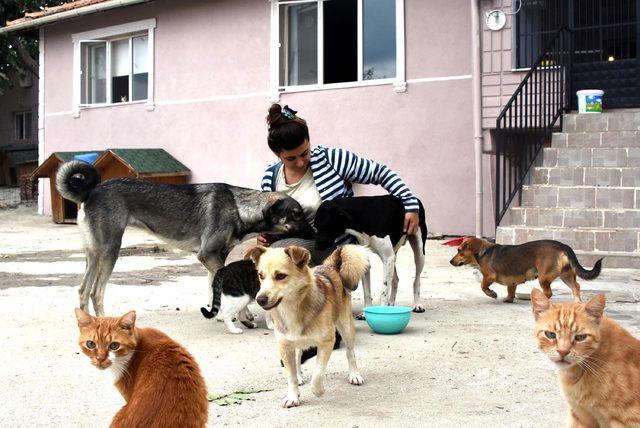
<point x="144" y="161"/>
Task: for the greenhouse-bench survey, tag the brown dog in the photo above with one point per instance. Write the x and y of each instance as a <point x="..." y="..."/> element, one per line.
<point x="308" y="305"/>
<point x="511" y="265"/>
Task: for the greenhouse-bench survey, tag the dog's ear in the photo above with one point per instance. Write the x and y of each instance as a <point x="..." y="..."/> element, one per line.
<point x="271" y="206"/>
<point x="298" y="255"/>
<point x="474" y="244"/>
<point x="539" y="302"/>
<point x="84" y="319"/>
<point x="128" y="320"/>
<point x="595" y="307"/>
<point x="254" y="253"/>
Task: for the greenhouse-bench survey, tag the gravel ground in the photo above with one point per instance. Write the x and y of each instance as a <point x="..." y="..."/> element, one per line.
<point x="468" y="360"/>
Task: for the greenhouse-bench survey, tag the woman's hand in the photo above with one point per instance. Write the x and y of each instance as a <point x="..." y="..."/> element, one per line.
<point x="263" y="239"/>
<point x="411" y="221"/>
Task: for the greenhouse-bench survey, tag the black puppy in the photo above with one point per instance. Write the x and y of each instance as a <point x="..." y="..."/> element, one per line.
<point x="376" y="222"/>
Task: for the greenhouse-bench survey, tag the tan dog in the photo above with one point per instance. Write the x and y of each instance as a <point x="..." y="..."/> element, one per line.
<point x="308" y="305"/>
<point x="511" y="265"/>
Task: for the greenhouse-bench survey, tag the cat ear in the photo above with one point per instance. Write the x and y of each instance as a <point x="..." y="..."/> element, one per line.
<point x="254" y="253"/>
<point x="84" y="319"/>
<point x="595" y="307"/>
<point x="540" y="303"/>
<point x="298" y="255"/>
<point x="128" y="320"/>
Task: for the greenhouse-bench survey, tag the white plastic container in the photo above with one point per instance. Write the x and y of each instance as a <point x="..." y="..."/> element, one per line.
<point x="590" y="101"/>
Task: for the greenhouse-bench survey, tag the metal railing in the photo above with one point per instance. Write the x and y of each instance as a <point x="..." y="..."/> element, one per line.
<point x="529" y="117"/>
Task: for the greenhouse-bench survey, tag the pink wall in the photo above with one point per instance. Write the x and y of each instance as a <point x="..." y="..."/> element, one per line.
<point x="205" y="50"/>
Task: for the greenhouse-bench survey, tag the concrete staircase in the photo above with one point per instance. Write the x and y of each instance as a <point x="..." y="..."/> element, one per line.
<point x="587" y="191"/>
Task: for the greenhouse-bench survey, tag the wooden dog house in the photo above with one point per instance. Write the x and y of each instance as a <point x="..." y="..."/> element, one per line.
<point x="146" y="164"/>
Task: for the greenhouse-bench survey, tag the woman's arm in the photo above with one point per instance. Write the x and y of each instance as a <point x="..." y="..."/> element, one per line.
<point x="356" y="169"/>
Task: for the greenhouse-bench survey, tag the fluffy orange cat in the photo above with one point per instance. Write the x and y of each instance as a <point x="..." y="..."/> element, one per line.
<point x="157" y="377"/>
<point x="599" y="361"/>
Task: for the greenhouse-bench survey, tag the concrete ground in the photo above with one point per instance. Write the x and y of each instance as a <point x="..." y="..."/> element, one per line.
<point x="467" y="361"/>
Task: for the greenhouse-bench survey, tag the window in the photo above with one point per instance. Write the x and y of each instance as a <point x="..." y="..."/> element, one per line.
<point x="114" y="65"/>
<point x="23" y="125"/>
<point x="114" y="71"/>
<point x="327" y="42"/>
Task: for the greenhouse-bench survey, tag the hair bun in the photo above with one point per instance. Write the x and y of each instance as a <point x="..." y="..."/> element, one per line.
<point x="274" y="117"/>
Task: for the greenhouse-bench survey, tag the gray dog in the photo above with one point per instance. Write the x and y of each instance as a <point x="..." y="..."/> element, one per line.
<point x="208" y="219"/>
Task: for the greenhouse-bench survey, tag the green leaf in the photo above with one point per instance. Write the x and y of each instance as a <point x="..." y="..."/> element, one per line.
<point x="236" y="397"/>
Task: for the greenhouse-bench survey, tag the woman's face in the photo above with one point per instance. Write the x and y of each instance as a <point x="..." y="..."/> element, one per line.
<point x="297" y="160"/>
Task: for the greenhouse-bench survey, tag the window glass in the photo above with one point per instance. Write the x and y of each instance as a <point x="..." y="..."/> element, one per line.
<point x="298" y="44"/>
<point x="27" y="125"/>
<point x="340" y="41"/>
<point x="120" y="69"/>
<point x="93" y="79"/>
<point x="140" y="67"/>
<point x="379" y="39"/>
<point x="19" y="126"/>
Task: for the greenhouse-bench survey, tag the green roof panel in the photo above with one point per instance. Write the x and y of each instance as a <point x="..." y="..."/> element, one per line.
<point x="150" y="161"/>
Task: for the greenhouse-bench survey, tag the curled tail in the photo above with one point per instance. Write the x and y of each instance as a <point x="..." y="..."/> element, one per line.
<point x="216" y="285"/>
<point x="352" y="262"/>
<point x="577" y="267"/>
<point x="76" y="179"/>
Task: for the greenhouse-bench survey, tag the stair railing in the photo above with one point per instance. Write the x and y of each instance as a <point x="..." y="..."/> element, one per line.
<point x="528" y="119"/>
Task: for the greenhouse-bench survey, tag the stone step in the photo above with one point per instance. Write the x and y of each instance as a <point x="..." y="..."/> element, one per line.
<point x="599" y="157"/>
<point x="575" y="218"/>
<point x="623" y="120"/>
<point x="587" y="176"/>
<point x="551" y="196"/>
<point x="596" y="139"/>
<point x="625" y="241"/>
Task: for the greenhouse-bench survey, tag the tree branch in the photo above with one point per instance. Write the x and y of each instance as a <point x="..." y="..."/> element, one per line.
<point x="25" y="58"/>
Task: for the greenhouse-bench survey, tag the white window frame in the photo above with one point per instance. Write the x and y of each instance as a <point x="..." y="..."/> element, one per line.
<point x="110" y="34"/>
<point x="25" y="125"/>
<point x="399" y="82"/>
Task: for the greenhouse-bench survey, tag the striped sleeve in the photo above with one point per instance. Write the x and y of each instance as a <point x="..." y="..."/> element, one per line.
<point x="267" y="184"/>
<point x="356" y="169"/>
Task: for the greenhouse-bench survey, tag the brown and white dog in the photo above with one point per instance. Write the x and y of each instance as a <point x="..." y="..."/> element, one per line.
<point x="308" y="305"/>
<point x="511" y="265"/>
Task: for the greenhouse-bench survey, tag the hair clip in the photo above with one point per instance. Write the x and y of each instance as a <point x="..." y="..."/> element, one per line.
<point x="288" y="113"/>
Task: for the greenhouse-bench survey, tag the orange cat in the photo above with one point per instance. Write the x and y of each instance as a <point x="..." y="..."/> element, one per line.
<point x="599" y="361"/>
<point x="157" y="377"/>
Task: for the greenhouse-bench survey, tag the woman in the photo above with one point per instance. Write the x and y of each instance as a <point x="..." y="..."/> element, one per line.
<point x="313" y="175"/>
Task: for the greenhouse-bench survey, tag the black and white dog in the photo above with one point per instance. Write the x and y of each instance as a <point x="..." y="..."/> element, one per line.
<point x="207" y="219"/>
<point x="376" y="222"/>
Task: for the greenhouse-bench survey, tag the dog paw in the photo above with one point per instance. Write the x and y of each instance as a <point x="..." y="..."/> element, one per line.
<point x="360" y="316"/>
<point x="508" y="300"/>
<point x="491" y="293"/>
<point x="317" y="387"/>
<point x="300" y="380"/>
<point x="355" y="379"/>
<point x="418" y="308"/>
<point x="249" y="324"/>
<point x="292" y="400"/>
<point x="236" y="331"/>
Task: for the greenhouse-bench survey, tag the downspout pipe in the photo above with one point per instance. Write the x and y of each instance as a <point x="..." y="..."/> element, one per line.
<point x="476" y="83"/>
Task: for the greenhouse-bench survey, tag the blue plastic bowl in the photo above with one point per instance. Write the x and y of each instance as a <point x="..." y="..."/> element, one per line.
<point x="87" y="157"/>
<point x="387" y="319"/>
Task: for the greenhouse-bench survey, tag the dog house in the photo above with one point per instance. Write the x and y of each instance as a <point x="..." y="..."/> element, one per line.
<point x="145" y="164"/>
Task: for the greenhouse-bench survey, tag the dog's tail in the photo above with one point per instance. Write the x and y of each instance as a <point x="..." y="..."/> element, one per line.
<point x="577" y="267"/>
<point x="351" y="261"/>
<point x="76" y="179"/>
<point x="217" y="295"/>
